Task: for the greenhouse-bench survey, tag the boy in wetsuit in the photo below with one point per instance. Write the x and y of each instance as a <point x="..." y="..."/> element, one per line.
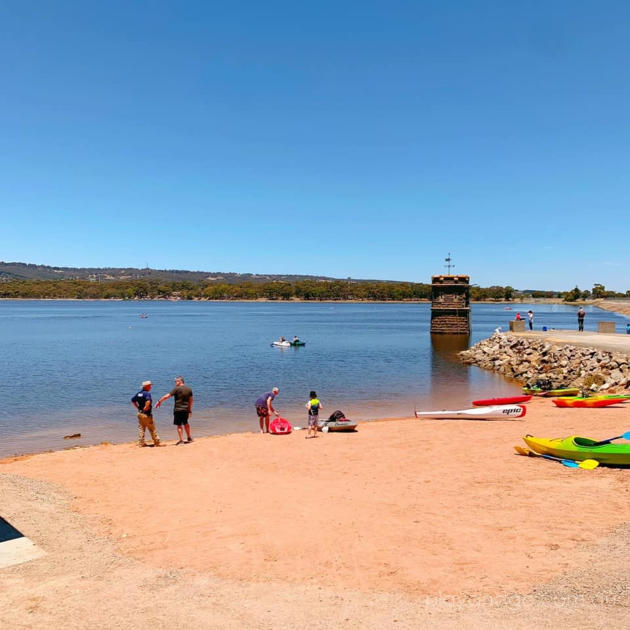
<point x="313" y="406"/>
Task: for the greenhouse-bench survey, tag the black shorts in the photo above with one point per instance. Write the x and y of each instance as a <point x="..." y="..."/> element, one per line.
<point x="180" y="417"/>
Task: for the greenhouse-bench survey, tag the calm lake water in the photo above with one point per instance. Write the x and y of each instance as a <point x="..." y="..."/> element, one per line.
<point x="72" y="366"/>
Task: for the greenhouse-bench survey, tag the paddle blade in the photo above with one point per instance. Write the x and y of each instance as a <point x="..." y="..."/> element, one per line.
<point x="589" y="464"/>
<point x="522" y="450"/>
<point x="569" y="463"/>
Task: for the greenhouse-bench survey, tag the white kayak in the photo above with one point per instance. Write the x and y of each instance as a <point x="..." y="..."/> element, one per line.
<point x="477" y="413"/>
<point x="281" y="344"/>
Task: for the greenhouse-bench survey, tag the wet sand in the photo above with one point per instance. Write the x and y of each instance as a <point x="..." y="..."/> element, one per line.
<point x="406" y="523"/>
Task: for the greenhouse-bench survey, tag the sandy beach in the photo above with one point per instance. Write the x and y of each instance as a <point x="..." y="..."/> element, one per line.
<point x="406" y="523"/>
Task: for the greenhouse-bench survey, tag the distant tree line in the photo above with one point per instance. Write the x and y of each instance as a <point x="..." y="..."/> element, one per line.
<point x="313" y="290"/>
<point x="153" y="289"/>
<point x="598" y="291"/>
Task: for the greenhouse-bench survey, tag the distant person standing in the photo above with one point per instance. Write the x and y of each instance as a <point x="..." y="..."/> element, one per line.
<point x="627" y="329"/>
<point x="530" y="319"/>
<point x="182" y="409"/>
<point x="580" y="316"/>
<point x="264" y="408"/>
<point x="142" y="402"/>
<point x="313" y="406"/>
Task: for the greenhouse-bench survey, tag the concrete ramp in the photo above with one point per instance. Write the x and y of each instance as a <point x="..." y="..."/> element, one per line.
<point x="15" y="548"/>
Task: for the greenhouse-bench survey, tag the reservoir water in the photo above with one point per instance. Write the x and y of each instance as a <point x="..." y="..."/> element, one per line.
<point x="72" y="366"/>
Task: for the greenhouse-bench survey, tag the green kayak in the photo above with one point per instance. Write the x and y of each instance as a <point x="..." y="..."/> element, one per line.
<point x="581" y="448"/>
<point x="566" y="391"/>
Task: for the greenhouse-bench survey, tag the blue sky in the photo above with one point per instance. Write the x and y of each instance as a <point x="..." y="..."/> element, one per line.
<point x="364" y="139"/>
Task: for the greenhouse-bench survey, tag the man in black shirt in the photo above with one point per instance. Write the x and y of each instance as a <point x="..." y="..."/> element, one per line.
<point x="182" y="409"/>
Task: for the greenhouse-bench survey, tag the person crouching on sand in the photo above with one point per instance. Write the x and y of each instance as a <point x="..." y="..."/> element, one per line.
<point x="264" y="408"/>
<point x="313" y="406"/>
<point x="182" y="409"/>
<point x="142" y="402"/>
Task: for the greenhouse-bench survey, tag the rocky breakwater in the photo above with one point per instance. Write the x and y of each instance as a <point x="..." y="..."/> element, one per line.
<point x="529" y="360"/>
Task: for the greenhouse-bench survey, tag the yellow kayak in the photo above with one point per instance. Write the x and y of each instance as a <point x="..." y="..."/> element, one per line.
<point x="581" y="448"/>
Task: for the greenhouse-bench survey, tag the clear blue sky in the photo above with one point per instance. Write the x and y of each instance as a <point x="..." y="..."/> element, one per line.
<point x="364" y="139"/>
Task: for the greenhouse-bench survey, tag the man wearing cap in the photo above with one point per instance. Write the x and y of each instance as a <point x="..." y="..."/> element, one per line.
<point x="143" y="403"/>
<point x="264" y="408"/>
<point x="182" y="409"/>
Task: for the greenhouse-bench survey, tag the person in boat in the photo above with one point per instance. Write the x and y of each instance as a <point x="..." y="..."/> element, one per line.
<point x="264" y="408"/>
<point x="313" y="406"/>
<point x="295" y="339"/>
<point x="282" y="339"/>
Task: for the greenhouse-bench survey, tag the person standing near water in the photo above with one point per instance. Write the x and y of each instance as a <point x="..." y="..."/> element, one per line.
<point x="530" y="319"/>
<point x="264" y="408"/>
<point x="313" y="406"/>
<point x="182" y="409"/>
<point x="580" y="316"/>
<point x="143" y="403"/>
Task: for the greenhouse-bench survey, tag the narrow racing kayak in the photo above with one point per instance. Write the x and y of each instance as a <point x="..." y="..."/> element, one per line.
<point x="565" y="391"/>
<point x="581" y="448"/>
<point x="507" y="400"/>
<point x="592" y="402"/>
<point x="505" y="412"/>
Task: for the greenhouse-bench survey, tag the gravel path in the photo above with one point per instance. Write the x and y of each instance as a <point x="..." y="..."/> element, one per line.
<point x="84" y="583"/>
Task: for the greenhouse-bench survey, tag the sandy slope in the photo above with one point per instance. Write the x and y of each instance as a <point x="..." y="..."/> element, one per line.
<point x="406" y="523"/>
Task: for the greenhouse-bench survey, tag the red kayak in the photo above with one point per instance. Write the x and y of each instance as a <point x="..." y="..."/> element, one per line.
<point x="279" y="426"/>
<point x="508" y="400"/>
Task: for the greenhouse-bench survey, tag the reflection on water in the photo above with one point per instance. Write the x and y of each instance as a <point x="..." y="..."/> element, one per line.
<point x="448" y="346"/>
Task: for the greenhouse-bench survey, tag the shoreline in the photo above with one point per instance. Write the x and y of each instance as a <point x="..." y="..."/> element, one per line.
<point x="593" y="302"/>
<point x="386" y="523"/>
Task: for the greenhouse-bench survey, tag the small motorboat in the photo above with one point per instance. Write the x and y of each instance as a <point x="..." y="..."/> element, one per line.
<point x="281" y="344"/>
<point x="581" y="448"/>
<point x="506" y="400"/>
<point x="505" y="412"/>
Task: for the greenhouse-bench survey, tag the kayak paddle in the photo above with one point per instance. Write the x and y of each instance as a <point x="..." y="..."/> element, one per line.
<point x="624" y="436"/>
<point x="587" y="464"/>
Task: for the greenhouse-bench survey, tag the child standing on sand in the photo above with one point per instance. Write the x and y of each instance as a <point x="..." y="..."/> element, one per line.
<point x="313" y="406"/>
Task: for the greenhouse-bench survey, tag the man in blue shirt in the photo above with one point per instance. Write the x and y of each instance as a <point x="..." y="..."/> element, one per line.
<point x="143" y="403"/>
<point x="264" y="408"/>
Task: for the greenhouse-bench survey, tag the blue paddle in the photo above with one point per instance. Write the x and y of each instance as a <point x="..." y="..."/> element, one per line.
<point x="624" y="436"/>
<point x="589" y="464"/>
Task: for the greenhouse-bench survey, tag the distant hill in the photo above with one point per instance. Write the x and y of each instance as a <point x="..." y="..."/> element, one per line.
<point x="26" y="271"/>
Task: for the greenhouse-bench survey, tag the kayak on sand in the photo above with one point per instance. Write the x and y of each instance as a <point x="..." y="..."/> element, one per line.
<point x="565" y="391"/>
<point x="507" y="400"/>
<point x="280" y="426"/>
<point x="581" y="448"/>
<point x="506" y="412"/>
<point x="591" y="402"/>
